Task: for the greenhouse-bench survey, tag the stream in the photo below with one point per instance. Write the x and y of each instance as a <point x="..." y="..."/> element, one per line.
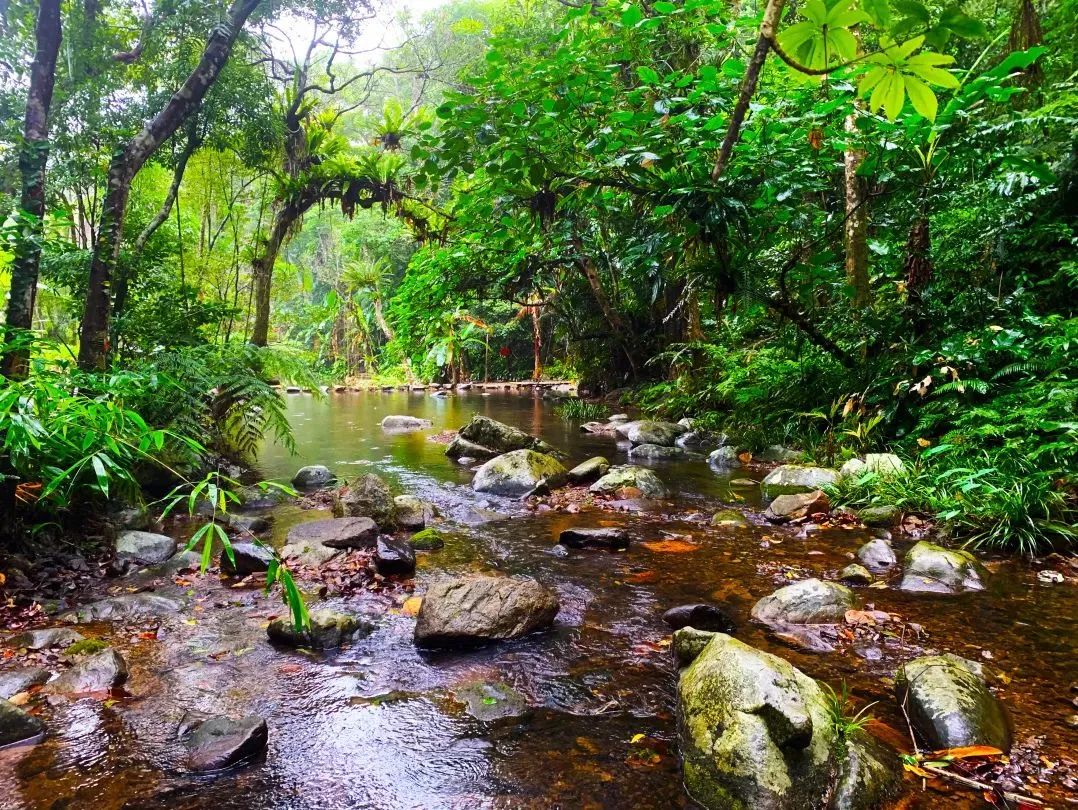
<point x="578" y="717"/>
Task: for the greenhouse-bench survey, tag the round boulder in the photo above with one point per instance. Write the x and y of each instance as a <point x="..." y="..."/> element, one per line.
<point x="313" y="476"/>
<point x="221" y="742"/>
<point x="368" y="496"/>
<point x="329" y="629"/>
<point x="476" y="609"/>
<point x="17" y="726"/>
<point x="790" y="479"/>
<point x="412" y="513"/>
<point x="144" y="548"/>
<point x="810" y="601"/>
<point x="935" y="569"/>
<point x="519" y="473"/>
<point x="724" y="457"/>
<point x="877" y="554"/>
<point x="653" y="452"/>
<point x="651" y="432"/>
<point x="794" y="507"/>
<point x="628" y="476"/>
<point x="587" y="471"/>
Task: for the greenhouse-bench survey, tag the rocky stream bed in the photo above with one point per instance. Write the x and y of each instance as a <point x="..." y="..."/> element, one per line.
<point x="530" y="614"/>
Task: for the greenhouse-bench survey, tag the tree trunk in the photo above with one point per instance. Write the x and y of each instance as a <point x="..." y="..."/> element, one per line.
<point x="537" y="344"/>
<point x="380" y="317"/>
<point x="856" y="221"/>
<point x="126" y="162"/>
<point x="262" y="276"/>
<point x="33" y="156"/>
<point x="918" y="267"/>
<point x="610" y="315"/>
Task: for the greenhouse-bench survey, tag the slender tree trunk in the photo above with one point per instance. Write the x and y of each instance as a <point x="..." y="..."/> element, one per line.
<point x="262" y="278"/>
<point x="918" y="267"/>
<point x="537" y="344"/>
<point x="856" y="221"/>
<point x="610" y="314"/>
<point x="126" y="162"/>
<point x="380" y="316"/>
<point x="33" y="157"/>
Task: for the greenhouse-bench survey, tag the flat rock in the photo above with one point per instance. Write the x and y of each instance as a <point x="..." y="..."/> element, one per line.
<point x="475" y="609"/>
<point x="250" y="559"/>
<point x="329" y="629"/>
<point x="730" y="517"/>
<point x="17" y="726"/>
<point x="651" y="432"/>
<point x="627" y="476"/>
<point x="519" y="473"/>
<point x="607" y="537"/>
<point x="587" y="471"/>
<point x="810" y="601"/>
<point x="935" y="569"/>
<point x="880" y="516"/>
<point x="97" y="672"/>
<point x="856" y="574"/>
<point x="43" y="639"/>
<point x="790" y="479"/>
<point x="949" y="704"/>
<point x="220" y="742"/>
<point x="144" y="548"/>
<point x="655" y="452"/>
<point x="497" y="437"/>
<point x="124" y="608"/>
<point x="313" y="476"/>
<point x="491" y="701"/>
<point x="877" y="554"/>
<point x="13" y="681"/>
<point x="700" y="616"/>
<point x="794" y="507"/>
<point x="335" y="533"/>
<point x="413" y="513"/>
<point x="394" y="556"/>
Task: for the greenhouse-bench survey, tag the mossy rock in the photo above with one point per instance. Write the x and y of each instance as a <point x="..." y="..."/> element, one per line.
<point x="427" y="540"/>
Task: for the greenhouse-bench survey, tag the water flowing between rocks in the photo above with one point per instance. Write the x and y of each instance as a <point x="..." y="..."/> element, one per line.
<point x="581" y="716"/>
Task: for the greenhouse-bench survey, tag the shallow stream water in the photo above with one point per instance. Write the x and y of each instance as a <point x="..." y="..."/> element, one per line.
<point x="383" y="725"/>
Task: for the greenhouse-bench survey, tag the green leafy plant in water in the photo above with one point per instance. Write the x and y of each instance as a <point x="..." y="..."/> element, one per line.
<point x="838" y="706"/>
<point x="218" y="492"/>
<point x="579" y="410"/>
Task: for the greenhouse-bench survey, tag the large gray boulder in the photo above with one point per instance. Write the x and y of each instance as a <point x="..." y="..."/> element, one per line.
<point x="413" y="513"/>
<point x="329" y="629"/>
<point x="96" y="672"/>
<point x="790" y="479"/>
<point x="394" y="556"/>
<point x="935" y="569"/>
<point x="494" y="438"/>
<point x="587" y="471"/>
<point x="755" y="734"/>
<point x="368" y="496"/>
<point x="949" y="705"/>
<point x="877" y="554"/>
<point x="477" y="609"/>
<point x="313" y="476"/>
<point x="17" y="726"/>
<point x="124" y="608"/>
<point x="249" y="559"/>
<point x="652" y="432"/>
<point x="403" y="424"/>
<point x="810" y="601"/>
<point x="629" y="476"/>
<point x="518" y="473"/>
<point x="335" y="533"/>
<point x="221" y="741"/>
<point x="463" y="449"/>
<point x="724" y="457"/>
<point x="144" y="548"/>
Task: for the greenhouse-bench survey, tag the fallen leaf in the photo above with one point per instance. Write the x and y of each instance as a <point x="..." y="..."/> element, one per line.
<point x="967" y="751"/>
<point x="19" y="699"/>
<point x="411" y="606"/>
<point x="670" y="546"/>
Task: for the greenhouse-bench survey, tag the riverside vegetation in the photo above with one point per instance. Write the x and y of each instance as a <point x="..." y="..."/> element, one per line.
<point x="837" y="237"/>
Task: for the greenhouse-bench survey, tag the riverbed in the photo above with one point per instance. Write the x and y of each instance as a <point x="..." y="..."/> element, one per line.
<point x="578" y="717"/>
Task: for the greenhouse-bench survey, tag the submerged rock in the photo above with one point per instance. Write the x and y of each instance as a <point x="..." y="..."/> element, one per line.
<point x="313" y="476"/>
<point x="611" y="538"/>
<point x="221" y="741"/>
<point x="17" y="726"/>
<point x="627" y="475"/>
<point x="476" y="609"/>
<point x="403" y="424"/>
<point x="412" y="513"/>
<point x="124" y="608"/>
<point x="655" y="451"/>
<point x="491" y="701"/>
<point x="335" y="533"/>
<point x="794" y="507"/>
<point x="755" y="734"/>
<point x="427" y="540"/>
<point x="43" y="639"/>
<point x="98" y="672"/>
<point x="368" y="496"/>
<point x="856" y="574"/>
<point x="461" y="449"/>
<point x="730" y="517"/>
<point x="936" y="569"/>
<point x="250" y="524"/>
<point x="144" y="548"/>
<point x="394" y="556"/>
<point x="700" y="616"/>
<point x="250" y="559"/>
<point x="651" y="432"/>
<point x="877" y="554"/>
<point x="700" y="438"/>
<point x="949" y="704"/>
<point x="790" y="479"/>
<point x="329" y="629"/>
<point x="13" y="681"/>
<point x="519" y="473"/>
<point x="810" y="601"/>
<point x="587" y="471"/>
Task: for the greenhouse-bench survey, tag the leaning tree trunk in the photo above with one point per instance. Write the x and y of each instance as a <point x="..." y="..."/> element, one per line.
<point x="126" y="162"/>
<point x="33" y="156"/>
<point x="288" y="214"/>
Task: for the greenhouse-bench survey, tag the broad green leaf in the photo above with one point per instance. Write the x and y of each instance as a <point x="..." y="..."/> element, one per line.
<point x="911" y="8"/>
<point x="922" y="97"/>
<point x="647" y="75"/>
<point x="936" y="76"/>
<point x="631" y="16"/>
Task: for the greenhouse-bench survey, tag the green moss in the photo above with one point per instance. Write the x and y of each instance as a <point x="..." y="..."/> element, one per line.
<point x="88" y="646"/>
<point x="427" y="540"/>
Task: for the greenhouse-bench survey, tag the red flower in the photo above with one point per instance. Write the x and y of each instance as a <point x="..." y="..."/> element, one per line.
<point x="504" y="351"/>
